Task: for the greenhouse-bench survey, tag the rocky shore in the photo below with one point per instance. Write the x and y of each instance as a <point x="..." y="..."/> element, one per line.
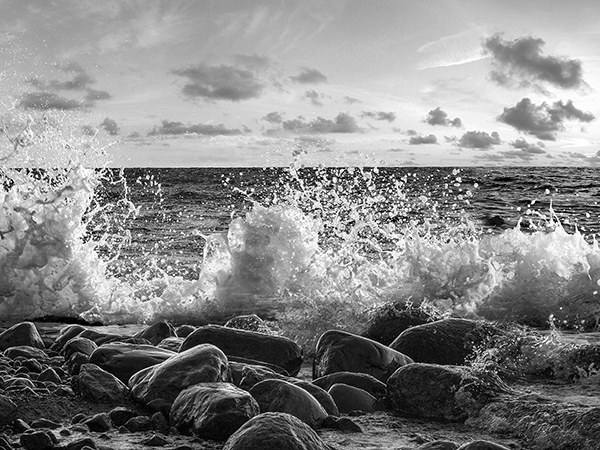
<point x="408" y="382"/>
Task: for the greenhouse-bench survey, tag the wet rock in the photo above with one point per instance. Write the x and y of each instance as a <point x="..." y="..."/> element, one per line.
<point x="212" y="410"/>
<point x="139" y="423"/>
<point x="448" y="341"/>
<point x="184" y="330"/>
<point x="20" y="426"/>
<point x="37" y="440"/>
<point x="321" y="395"/>
<point x="155" y="441"/>
<point x="66" y="334"/>
<point x="247" y="375"/>
<point x="78" y="344"/>
<point x="363" y="381"/>
<point x="7" y="410"/>
<point x="76" y="361"/>
<point x="120" y="415"/>
<point x="45" y="423"/>
<point x="24" y="333"/>
<point x="25" y="351"/>
<point x="342" y="424"/>
<point x="156" y="332"/>
<point x="160" y="405"/>
<point x="98" y="385"/>
<point x="124" y="360"/>
<point x="439" y="445"/>
<point x="275" y="431"/>
<point x="160" y="422"/>
<point x="389" y="321"/>
<point x="277" y="350"/>
<point x="80" y="444"/>
<point x="250" y="322"/>
<point x="339" y="351"/>
<point x="98" y="422"/>
<point x="200" y="364"/>
<point x="482" y="445"/>
<point x="171" y="343"/>
<point x="281" y="396"/>
<point x="350" y="398"/>
<point x="49" y="375"/>
<point x="442" y="392"/>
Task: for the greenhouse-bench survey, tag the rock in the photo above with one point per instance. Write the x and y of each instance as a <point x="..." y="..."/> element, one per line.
<point x="482" y="445"/>
<point x="321" y="395"/>
<point x="281" y="396"/>
<point x="250" y="322"/>
<point x="155" y="441"/>
<point x="277" y="350"/>
<point x="447" y="341"/>
<point x="350" y="398"/>
<point x="25" y="351"/>
<point x="120" y="415"/>
<point x="212" y="410"/>
<point x="66" y="334"/>
<point x="156" y="332"/>
<point x="50" y="375"/>
<point x="104" y="338"/>
<point x="78" y="345"/>
<point x="160" y="422"/>
<point x="442" y="392"/>
<point x="45" y="423"/>
<point x="184" y="330"/>
<point x="393" y="318"/>
<point x="275" y="431"/>
<point x="80" y="444"/>
<point x="96" y="384"/>
<point x="76" y="361"/>
<point x="247" y="375"/>
<point x="24" y="333"/>
<point x="38" y="440"/>
<point x="171" y="343"/>
<point x="439" y="445"/>
<point x="7" y="410"/>
<point x="139" y="423"/>
<point x="200" y="364"/>
<point x="362" y="381"/>
<point x="124" y="360"/>
<point x="98" y="422"/>
<point x="341" y="424"/>
<point x="339" y="351"/>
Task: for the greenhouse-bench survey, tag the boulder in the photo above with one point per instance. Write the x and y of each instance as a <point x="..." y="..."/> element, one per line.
<point x="282" y="396"/>
<point x="24" y="333"/>
<point x="200" y="364"/>
<point x="387" y="322"/>
<point x="171" y="343"/>
<point x="156" y="332"/>
<point x="250" y="322"/>
<point x="350" y="398"/>
<point x="434" y="391"/>
<point x="247" y="375"/>
<point x="78" y="344"/>
<point x="277" y="350"/>
<point x="212" y="410"/>
<point x="322" y="396"/>
<point x="482" y="445"/>
<point x="339" y="351"/>
<point x="448" y="341"/>
<point x="66" y="334"/>
<point x="26" y="351"/>
<point x="368" y="383"/>
<point x="124" y="360"/>
<point x="184" y="330"/>
<point x="7" y="410"/>
<point x="438" y="445"/>
<point x="275" y="431"/>
<point x="96" y="384"/>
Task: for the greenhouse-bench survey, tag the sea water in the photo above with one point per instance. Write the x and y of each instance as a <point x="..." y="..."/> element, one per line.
<point x="308" y="248"/>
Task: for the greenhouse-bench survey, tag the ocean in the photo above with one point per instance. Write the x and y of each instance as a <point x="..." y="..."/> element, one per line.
<point x="308" y="248"/>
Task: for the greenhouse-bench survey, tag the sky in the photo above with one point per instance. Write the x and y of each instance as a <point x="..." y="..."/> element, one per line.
<point x="337" y="82"/>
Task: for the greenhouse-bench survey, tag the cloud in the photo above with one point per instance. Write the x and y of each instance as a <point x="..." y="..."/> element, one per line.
<point x="273" y="117"/>
<point x="379" y="115"/>
<point x="253" y="62"/>
<point x="479" y="139"/>
<point x="314" y="97"/>
<point x="309" y="76"/>
<point x="420" y="139"/>
<point x="93" y="95"/>
<point x="220" y="83"/>
<point x="110" y="126"/>
<point x="521" y="63"/>
<point x="310" y="143"/>
<point x="460" y="48"/>
<point x="48" y="100"/>
<point x="342" y="123"/>
<point x="178" y="128"/>
<point x="439" y="117"/>
<point x="351" y="100"/>
<point x="527" y="147"/>
<point x="542" y="121"/>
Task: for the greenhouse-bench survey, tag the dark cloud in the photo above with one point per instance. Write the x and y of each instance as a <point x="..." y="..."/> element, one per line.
<point x="273" y="117"/>
<point x="542" y="121"/>
<point x="479" y="139"/>
<point x="342" y="123"/>
<point x="309" y="76"/>
<point x="178" y="128"/>
<point x="220" y="83"/>
<point x="527" y="147"/>
<point x="351" y="100"/>
<point x="379" y="115"/>
<point x="110" y="126"/>
<point x="48" y="100"/>
<point x="314" y="97"/>
<point x="93" y="95"/>
<point x="439" y="117"/>
<point x="521" y="62"/>
<point x="419" y="139"/>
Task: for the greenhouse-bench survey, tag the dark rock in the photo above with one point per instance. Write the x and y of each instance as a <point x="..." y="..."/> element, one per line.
<point x="120" y="415"/>
<point x="439" y="445"/>
<point x="101" y="338"/>
<point x="160" y="405"/>
<point x="350" y="398"/>
<point x="448" y="341"/>
<point x="45" y="423"/>
<point x="339" y="351"/>
<point x="20" y="426"/>
<point x="160" y="422"/>
<point x="7" y="410"/>
<point x="80" y="444"/>
<point x="281" y="396"/>
<point x="50" y="375"/>
<point x="33" y="366"/>
<point x="275" y="431"/>
<point x="200" y="364"/>
<point x="124" y="360"/>
<point x="247" y="375"/>
<point x="139" y="423"/>
<point x="155" y="441"/>
<point x="78" y="344"/>
<point x="38" y="440"/>
<point x="99" y="422"/>
<point x="76" y="361"/>
<point x="78" y="418"/>
<point x="482" y="445"/>
<point x="24" y="333"/>
<point x="322" y="396"/>
<point x="393" y="318"/>
<point x="254" y="362"/>
<point x="277" y="350"/>
<point x="369" y="383"/>
<point x="342" y="424"/>
<point x="184" y="330"/>
<point x="98" y="385"/>
<point x="156" y="332"/>
<point x="171" y="343"/>
<point x="450" y="393"/>
<point x="66" y="334"/>
<point x="212" y="410"/>
<point x="25" y="351"/>
<point x="250" y="322"/>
